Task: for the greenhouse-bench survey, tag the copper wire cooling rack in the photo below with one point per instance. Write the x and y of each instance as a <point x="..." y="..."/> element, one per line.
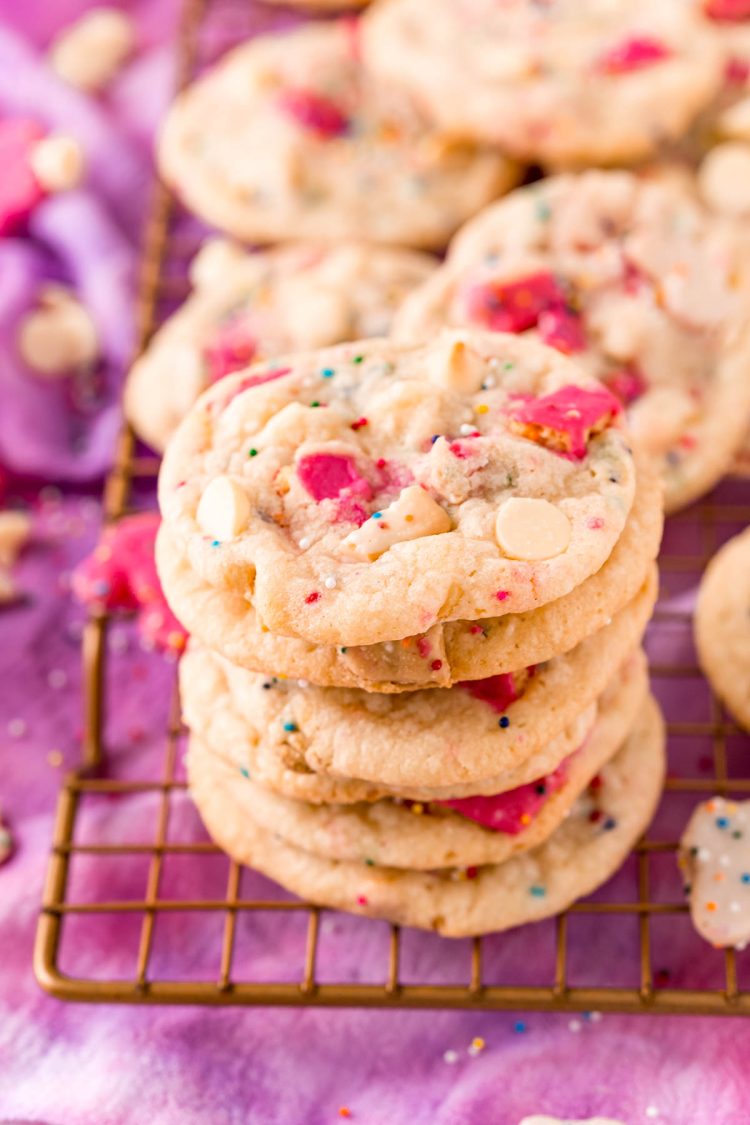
<point x="630" y="948"/>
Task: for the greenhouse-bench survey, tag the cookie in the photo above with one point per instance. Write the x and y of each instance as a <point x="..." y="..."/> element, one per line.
<point x="475" y="737"/>
<point x="729" y="115"/>
<point x="714" y="857"/>
<point x="248" y="307"/>
<point x="289" y="137"/>
<point x="280" y="768"/>
<point x="722" y="625"/>
<point x="367" y="492"/>
<point x="446" y="654"/>
<point x="579" y="856"/>
<point x="464" y="832"/>
<point x="571" y="83"/>
<point x="642" y="284"/>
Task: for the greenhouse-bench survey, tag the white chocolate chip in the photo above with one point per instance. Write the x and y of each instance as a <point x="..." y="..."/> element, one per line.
<point x="724" y="178"/>
<point x="58" y="163"/>
<point x="734" y="123"/>
<point x="223" y="509"/>
<point x="531" y="529"/>
<point x="660" y="418"/>
<point x="59" y="336"/>
<point x="216" y="258"/>
<point x="314" y="316"/>
<point x="89" y="53"/>
<point x="456" y="367"/>
<point x="413" y="515"/>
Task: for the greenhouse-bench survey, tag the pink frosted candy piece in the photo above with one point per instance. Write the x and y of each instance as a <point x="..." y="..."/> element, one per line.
<point x="514" y="306"/>
<point x="233" y="348"/>
<point x="314" y="112"/>
<point x="120" y="574"/>
<point x="728" y="11"/>
<point x="562" y="329"/>
<point x="349" y="510"/>
<point x="564" y="420"/>
<point x="121" y="564"/>
<point x="20" y="191"/>
<point x="326" y="475"/>
<point x="513" y="811"/>
<point x="250" y="381"/>
<point x="160" y="628"/>
<point x="498" y="691"/>
<point x="627" y="383"/>
<point x="633" y="54"/>
<point x="736" y="71"/>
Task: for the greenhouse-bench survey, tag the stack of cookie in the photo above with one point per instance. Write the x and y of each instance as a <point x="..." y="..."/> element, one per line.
<point x="417" y="578"/>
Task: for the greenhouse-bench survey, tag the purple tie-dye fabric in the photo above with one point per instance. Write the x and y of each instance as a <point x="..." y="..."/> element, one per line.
<point x="76" y="1065"/>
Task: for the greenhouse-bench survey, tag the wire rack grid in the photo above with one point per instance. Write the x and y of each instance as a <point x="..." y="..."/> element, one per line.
<point x="605" y="953"/>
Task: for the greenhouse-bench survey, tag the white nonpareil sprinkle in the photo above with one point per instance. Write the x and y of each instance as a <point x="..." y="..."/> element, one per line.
<point x="466" y="429"/>
<point x="304" y="543"/>
<point x="450" y="1057"/>
<point x="652" y="1111"/>
<point x="329" y="581"/>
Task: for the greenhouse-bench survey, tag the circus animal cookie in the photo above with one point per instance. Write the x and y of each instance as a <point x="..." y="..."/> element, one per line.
<point x="120" y="574"/>
<point x="579" y="856"/>
<point x="35" y="165"/>
<point x="249" y="307"/>
<point x="639" y="282"/>
<point x="722" y="625"/>
<point x="367" y="492"/>
<point x="15" y="529"/>
<point x="290" y="137"/>
<point x="444" y="832"/>
<point x="715" y="860"/>
<point x="573" y="82"/>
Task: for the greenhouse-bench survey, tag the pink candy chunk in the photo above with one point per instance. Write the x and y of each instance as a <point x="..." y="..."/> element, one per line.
<point x="633" y="54"/>
<point x="627" y="383"/>
<point x="120" y="574"/>
<point x="257" y="379"/>
<point x="514" y="306"/>
<point x="160" y="628"/>
<point x="314" y="112"/>
<point x="326" y="475"/>
<point x="736" y="71"/>
<point x="20" y="191"/>
<point x="563" y="330"/>
<point x="728" y="11"/>
<point x="565" y="420"/>
<point x="513" y="811"/>
<point x="498" y="691"/>
<point x="232" y="348"/>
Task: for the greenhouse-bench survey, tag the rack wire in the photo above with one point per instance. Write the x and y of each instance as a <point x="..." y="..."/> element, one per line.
<point x="604" y="954"/>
